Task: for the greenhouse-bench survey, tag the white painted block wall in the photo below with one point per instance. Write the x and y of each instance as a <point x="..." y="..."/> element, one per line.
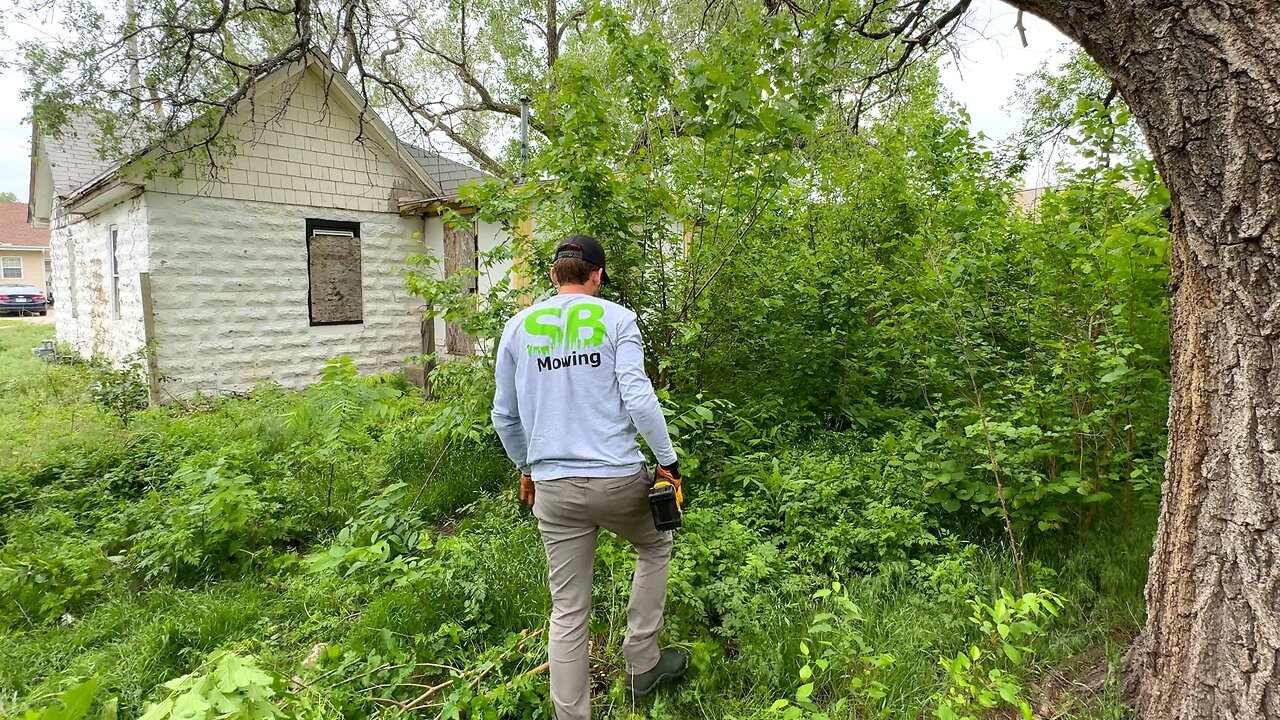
<point x="300" y="144"/>
<point x="229" y="282"/>
<point x="84" y="318"/>
<point x="228" y="260"/>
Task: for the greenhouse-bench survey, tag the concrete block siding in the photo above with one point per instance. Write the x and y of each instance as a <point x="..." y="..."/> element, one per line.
<point x="227" y="251"/>
<point x="229" y="282"/>
<point x="80" y="250"/>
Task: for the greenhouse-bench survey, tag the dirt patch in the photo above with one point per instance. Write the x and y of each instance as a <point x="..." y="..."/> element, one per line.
<point x="1076" y="683"/>
<point x="603" y="669"/>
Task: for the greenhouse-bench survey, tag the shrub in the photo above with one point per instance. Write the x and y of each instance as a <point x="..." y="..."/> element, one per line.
<point x="206" y="519"/>
<point x="121" y="391"/>
<point x="52" y="581"/>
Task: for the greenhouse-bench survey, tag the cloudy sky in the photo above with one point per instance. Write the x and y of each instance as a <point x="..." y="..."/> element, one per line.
<point x="983" y="78"/>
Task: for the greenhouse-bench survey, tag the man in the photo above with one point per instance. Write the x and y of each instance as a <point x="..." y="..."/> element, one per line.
<point x="571" y="395"/>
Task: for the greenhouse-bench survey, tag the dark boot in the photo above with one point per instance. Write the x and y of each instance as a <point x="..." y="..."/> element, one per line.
<point x="670" y="668"/>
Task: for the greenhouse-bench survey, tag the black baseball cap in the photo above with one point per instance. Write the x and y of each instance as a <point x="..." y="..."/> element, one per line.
<point x="591" y="251"/>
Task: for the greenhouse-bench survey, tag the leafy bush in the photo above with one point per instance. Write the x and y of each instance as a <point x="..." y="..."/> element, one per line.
<point x="980" y="678"/>
<point x="121" y="391"/>
<point x="206" y="519"/>
<point x="834" y="653"/>
<point x="378" y="539"/>
<point x="50" y="582"/>
<point x="233" y="687"/>
<point x="835" y="507"/>
<point x="74" y="703"/>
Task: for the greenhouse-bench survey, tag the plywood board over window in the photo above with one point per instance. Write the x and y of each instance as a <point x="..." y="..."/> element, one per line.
<point x="460" y="255"/>
<point x="335" y="280"/>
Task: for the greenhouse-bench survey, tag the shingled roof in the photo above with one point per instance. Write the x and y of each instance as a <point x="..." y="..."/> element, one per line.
<point x="449" y="174"/>
<point x="15" y="231"/>
<point x="73" y="156"/>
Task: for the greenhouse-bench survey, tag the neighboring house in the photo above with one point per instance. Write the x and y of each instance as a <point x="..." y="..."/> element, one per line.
<point x="291" y="255"/>
<point x="24" y="250"/>
<point x="1028" y="199"/>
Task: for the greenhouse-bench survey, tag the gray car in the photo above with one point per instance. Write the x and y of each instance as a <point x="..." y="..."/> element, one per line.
<point x="23" y="300"/>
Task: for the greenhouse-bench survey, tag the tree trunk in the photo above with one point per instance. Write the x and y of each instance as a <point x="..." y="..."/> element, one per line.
<point x="1202" y="78"/>
<point x="553" y="35"/>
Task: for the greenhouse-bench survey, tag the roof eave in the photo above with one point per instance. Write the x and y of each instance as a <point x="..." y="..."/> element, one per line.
<point x="107" y="190"/>
<point x="433" y="206"/>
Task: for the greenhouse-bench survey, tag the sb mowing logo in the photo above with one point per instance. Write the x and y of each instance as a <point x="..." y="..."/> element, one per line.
<point x="566" y="330"/>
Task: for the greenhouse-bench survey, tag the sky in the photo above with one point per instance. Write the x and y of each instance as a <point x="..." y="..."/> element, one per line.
<point x="983" y="76"/>
<point x="990" y="66"/>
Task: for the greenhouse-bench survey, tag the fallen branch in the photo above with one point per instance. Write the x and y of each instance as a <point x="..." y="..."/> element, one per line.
<point x="479" y="674"/>
<point x="425" y="696"/>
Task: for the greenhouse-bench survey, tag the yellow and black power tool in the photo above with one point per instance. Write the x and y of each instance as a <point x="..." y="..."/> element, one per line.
<point x="665" y="500"/>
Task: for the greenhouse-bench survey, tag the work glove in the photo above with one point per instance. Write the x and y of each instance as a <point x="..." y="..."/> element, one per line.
<point x="526" y="490"/>
<point x="671" y="473"/>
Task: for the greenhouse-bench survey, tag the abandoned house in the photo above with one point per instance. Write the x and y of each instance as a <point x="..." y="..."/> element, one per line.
<point x="293" y="254"/>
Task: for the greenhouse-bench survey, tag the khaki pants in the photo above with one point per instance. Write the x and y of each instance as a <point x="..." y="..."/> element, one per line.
<point x="570" y="511"/>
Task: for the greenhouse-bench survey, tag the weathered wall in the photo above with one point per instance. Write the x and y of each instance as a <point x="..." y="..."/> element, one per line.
<point x="488" y="237"/>
<point x="230" y="258"/>
<point x="298" y="143"/>
<point x="79" y="249"/>
<point x="228" y="253"/>
<point x="229" y="282"/>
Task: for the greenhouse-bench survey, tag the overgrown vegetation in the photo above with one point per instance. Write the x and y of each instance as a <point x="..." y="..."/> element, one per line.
<point x="922" y="426"/>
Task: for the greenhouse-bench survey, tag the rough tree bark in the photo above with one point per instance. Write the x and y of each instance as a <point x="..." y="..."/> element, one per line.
<point x="1202" y="78"/>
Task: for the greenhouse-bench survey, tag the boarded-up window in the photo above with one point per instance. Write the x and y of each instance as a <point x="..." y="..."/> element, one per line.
<point x="460" y="255"/>
<point x="335" y="288"/>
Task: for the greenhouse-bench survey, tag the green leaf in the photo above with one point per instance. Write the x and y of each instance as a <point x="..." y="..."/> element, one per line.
<point x="1011" y="652"/>
<point x="1009" y="693"/>
<point x="804" y="691"/>
<point x="74" y="702"/>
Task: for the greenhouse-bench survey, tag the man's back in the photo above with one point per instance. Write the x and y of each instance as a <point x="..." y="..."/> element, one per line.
<point x="571" y="395"/>
<point x="572" y="390"/>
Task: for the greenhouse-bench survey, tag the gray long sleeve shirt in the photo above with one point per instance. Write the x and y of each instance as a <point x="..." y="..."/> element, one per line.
<point x="572" y="391"/>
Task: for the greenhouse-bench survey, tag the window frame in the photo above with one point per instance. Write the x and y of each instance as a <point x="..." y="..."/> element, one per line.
<point x="113" y="257"/>
<point x="4" y="269"/>
<point x="321" y="226"/>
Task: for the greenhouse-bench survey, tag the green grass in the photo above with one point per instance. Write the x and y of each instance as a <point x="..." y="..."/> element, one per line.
<point x="83" y="488"/>
<point x="16" y="341"/>
<point x="43" y="404"/>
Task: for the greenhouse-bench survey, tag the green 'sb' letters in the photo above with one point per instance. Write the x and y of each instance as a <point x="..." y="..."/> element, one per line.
<point x="534" y="325"/>
<point x="582" y="328"/>
<point x="584" y="316"/>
